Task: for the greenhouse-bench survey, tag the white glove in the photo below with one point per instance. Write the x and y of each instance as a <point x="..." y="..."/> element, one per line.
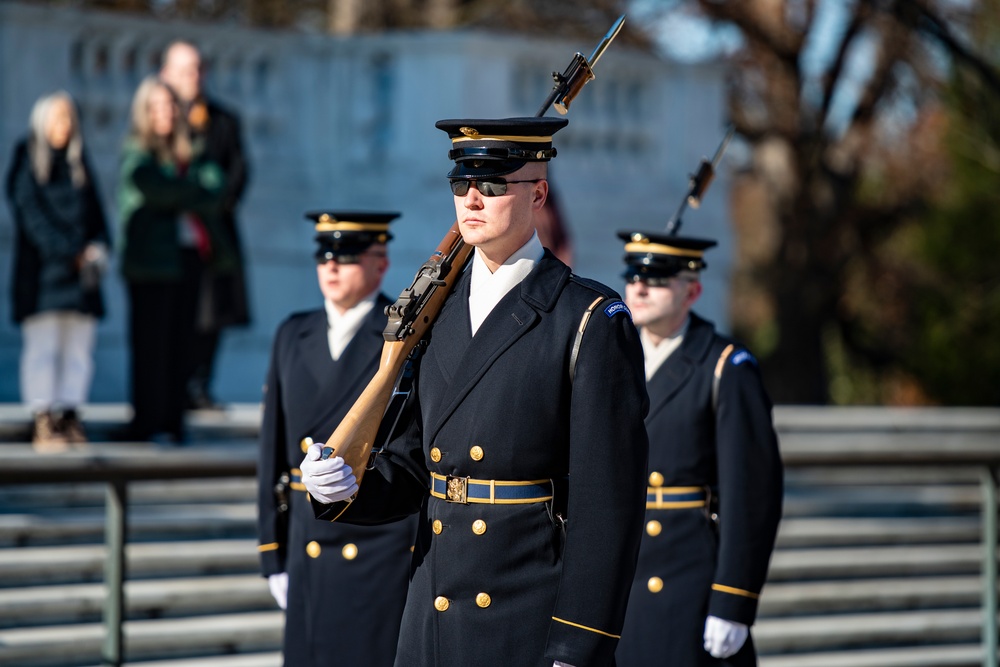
<point x="278" y="583"/>
<point x="724" y="638"/>
<point x="560" y="664"/>
<point x="328" y="481"/>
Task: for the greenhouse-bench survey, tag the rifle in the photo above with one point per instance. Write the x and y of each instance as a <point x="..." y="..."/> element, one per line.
<point x="699" y="183"/>
<point x="412" y="314"/>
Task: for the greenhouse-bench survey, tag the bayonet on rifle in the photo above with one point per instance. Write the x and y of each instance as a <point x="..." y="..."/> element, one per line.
<point x="580" y="71"/>
<point x="699" y="182"/>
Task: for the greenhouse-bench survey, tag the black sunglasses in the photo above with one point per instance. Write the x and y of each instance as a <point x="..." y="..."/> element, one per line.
<point x="324" y="255"/>
<point x="489" y="187"/>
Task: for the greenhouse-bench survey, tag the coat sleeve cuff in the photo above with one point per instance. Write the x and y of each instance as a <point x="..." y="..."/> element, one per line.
<point x="579" y="644"/>
<point x="733" y="604"/>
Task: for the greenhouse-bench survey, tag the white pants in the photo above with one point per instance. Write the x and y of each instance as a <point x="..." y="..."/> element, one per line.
<point x="57" y="359"/>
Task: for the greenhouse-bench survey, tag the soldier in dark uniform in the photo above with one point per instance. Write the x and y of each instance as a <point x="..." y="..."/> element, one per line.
<point x="526" y="452"/>
<point x="715" y="474"/>
<point x="345" y="585"/>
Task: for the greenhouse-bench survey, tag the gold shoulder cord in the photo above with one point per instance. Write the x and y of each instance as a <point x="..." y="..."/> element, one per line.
<point x="578" y="341"/>
<point x="718" y="375"/>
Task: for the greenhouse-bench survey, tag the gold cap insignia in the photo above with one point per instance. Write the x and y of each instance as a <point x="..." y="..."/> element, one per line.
<point x="469" y="131"/>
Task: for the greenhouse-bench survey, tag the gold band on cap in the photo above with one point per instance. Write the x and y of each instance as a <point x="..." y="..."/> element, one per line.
<point x="662" y="249"/>
<point x="511" y="138"/>
<point x="338" y="226"/>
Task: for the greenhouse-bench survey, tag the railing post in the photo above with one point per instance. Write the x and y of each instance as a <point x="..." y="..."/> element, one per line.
<point x="116" y="507"/>
<point x="989" y="484"/>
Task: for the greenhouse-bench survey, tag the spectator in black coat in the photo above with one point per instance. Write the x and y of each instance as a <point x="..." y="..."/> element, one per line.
<point x="215" y="135"/>
<point x="59" y="258"/>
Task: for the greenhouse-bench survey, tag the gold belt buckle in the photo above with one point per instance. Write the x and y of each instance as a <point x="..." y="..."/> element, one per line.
<point x="458" y="489"/>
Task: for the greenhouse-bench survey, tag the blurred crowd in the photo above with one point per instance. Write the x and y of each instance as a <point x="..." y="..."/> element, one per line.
<point x="176" y="243"/>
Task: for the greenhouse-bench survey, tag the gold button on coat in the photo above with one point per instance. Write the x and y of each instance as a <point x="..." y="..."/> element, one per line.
<point x="655" y="479"/>
<point x="476" y="453"/>
<point x="313" y="549"/>
<point x="435" y="454"/>
<point x="653" y="528"/>
<point x="479" y="526"/>
<point x="349" y="552"/>
<point x="437" y="526"/>
<point x="484" y="600"/>
<point x="655" y="584"/>
<point x="306" y="441"/>
<point x="441" y="603"/>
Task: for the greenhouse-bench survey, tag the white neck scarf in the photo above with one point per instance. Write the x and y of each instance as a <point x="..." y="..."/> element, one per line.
<point x="488" y="288"/>
<point x="342" y="327"/>
<point x="656" y="354"/>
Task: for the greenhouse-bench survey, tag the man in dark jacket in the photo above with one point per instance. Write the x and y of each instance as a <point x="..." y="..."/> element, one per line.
<point x="525" y="454"/>
<point x="715" y="475"/>
<point x="343" y="586"/>
<point x="215" y="133"/>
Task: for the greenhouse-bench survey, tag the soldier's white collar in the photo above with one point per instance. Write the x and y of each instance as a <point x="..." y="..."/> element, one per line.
<point x="655" y="354"/>
<point x="486" y="288"/>
<point x="341" y="327"/>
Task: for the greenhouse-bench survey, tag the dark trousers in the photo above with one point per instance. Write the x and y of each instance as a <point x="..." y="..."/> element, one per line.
<point x="206" y="344"/>
<point x="162" y="332"/>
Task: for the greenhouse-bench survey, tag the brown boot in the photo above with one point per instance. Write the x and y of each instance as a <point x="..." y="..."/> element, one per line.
<point x="71" y="428"/>
<point x="47" y="437"/>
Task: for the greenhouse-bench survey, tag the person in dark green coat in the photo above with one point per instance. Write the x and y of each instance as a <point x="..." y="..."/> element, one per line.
<point x="169" y="233"/>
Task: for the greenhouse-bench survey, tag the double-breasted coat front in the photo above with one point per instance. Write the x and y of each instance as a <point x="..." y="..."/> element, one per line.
<point x="707" y="556"/>
<point x="347" y="584"/>
<point x="520" y="583"/>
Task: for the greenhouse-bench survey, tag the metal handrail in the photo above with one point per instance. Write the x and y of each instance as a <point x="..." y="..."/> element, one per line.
<point x="117" y="466"/>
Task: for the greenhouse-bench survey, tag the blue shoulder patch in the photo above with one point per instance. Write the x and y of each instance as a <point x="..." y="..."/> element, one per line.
<point x="616" y="307"/>
<point x="741" y="356"/>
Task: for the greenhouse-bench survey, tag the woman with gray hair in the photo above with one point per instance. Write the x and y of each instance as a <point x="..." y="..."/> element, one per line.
<point x="60" y="255"/>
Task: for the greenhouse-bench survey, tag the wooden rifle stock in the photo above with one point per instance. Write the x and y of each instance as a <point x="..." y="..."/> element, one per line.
<point x="410" y="317"/>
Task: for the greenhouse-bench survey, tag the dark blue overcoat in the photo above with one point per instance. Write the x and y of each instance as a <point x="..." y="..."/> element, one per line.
<point x="347" y="584"/>
<point x="520" y="584"/>
<point x="689" y="565"/>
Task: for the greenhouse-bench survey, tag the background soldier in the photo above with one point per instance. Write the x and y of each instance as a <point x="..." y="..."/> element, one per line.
<point x="528" y="479"/>
<point x="345" y="585"/>
<point x="715" y="476"/>
<point x="215" y="134"/>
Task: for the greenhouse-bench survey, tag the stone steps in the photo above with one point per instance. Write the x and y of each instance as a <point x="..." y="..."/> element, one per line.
<point x="144" y="522"/>
<point x="844" y="631"/>
<point x="270" y="659"/>
<point x="80" y="644"/>
<point x="798" y="598"/>
<point x="146" y="598"/>
<point x="798" y="532"/>
<point x="43" y="497"/>
<point x="874" y="561"/>
<point x="963" y="655"/>
<point x="85" y="563"/>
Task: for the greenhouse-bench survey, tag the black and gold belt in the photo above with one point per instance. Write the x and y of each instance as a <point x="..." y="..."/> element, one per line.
<point x="675" y="497"/>
<point x="489" y="491"/>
